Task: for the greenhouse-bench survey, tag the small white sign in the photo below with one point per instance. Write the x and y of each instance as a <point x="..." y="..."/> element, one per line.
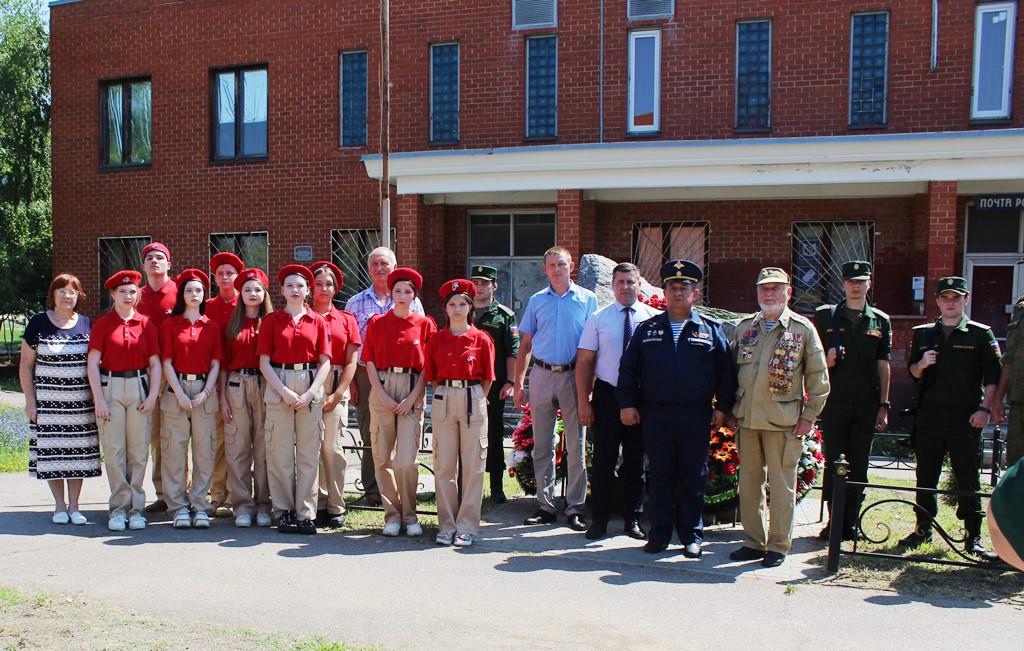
<point x="303" y="253"/>
<point x="917" y="283"/>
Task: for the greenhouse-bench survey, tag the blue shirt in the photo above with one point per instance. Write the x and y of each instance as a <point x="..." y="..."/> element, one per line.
<point x="556" y="322"/>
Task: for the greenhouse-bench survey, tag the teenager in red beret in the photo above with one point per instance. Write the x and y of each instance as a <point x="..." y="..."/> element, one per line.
<point x="394" y="351"/>
<point x="124" y="374"/>
<point x="295" y="359"/>
<point x="460" y="366"/>
<point x="344" y="335"/>
<point x="241" y="402"/>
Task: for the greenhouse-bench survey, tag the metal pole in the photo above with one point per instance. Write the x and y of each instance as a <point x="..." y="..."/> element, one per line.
<point x="997" y="455"/>
<point x="385" y="122"/>
<point x="835" y="532"/>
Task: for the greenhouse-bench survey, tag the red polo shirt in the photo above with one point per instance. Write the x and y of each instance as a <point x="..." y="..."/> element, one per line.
<point x="469" y="356"/>
<point x="240" y="352"/>
<point x="220" y="310"/>
<point x="342" y="330"/>
<point x="391" y="341"/>
<point x="191" y="347"/>
<point x="288" y="342"/>
<point x="124" y="345"/>
<point x="157" y="304"/>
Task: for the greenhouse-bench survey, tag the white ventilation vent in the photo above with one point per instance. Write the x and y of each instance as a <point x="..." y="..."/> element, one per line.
<point x="534" y="13"/>
<point x="641" y="9"/>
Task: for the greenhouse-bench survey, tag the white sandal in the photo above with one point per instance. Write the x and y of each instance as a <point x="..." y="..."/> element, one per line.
<point x="78" y="518"/>
<point x="60" y="517"/>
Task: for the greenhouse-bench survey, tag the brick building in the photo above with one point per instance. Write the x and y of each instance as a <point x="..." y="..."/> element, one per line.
<point x="737" y="133"/>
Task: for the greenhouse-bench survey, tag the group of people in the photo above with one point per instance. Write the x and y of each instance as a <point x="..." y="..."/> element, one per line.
<point x="260" y="397"/>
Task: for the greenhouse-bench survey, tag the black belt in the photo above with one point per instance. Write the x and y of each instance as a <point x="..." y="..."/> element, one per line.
<point x="191" y="377"/>
<point x="138" y="373"/>
<point x="556" y="368"/>
<point x="246" y="371"/>
<point x="459" y="384"/>
<point x="295" y="367"/>
<point x="399" y="369"/>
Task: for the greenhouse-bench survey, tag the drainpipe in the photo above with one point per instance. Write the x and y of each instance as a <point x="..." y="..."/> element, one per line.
<point x="935" y="35"/>
<point x="600" y="68"/>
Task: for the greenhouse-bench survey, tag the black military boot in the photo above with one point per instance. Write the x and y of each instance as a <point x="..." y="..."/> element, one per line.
<point x="497" y="488"/>
<point x="917" y="537"/>
<point x="974" y="547"/>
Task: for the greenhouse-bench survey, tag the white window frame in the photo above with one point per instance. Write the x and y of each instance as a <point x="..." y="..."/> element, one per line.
<point x="631" y="127"/>
<point x="553" y="23"/>
<point x="1004" y="111"/>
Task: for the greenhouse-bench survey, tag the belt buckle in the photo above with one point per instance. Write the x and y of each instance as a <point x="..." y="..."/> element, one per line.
<point x="458" y="384"/>
<point x="295" y="367"/>
<point x="399" y="369"/>
<point x="557" y="368"/>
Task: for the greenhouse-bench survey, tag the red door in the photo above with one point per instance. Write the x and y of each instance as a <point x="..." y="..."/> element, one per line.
<point x="991" y="293"/>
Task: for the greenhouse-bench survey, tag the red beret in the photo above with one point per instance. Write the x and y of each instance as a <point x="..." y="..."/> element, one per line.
<point x="295" y="270"/>
<point x="405" y="273"/>
<point x="339" y="278"/>
<point x="126" y="277"/>
<point x="156" y="246"/>
<point x="457" y="286"/>
<point x="245" y="275"/>
<point x="192" y="274"/>
<point x="226" y="257"/>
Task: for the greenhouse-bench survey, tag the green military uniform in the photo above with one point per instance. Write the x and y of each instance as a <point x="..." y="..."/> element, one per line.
<point x="499" y="322"/>
<point x="968" y="360"/>
<point x="848" y="420"/>
<point x="1015" y="360"/>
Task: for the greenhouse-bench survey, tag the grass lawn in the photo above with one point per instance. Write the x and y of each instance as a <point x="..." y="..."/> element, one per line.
<point x="13" y="439"/>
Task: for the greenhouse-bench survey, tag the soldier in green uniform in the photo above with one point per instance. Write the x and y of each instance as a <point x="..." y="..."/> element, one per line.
<point x="857" y="339"/>
<point x="1011" y="384"/>
<point x="500" y="322"/>
<point x="958" y="362"/>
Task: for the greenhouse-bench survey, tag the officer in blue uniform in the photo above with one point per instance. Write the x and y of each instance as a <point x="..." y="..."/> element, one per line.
<point x="675" y="366"/>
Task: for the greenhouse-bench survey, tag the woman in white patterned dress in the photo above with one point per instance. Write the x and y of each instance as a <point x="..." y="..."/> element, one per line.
<point x="64" y="446"/>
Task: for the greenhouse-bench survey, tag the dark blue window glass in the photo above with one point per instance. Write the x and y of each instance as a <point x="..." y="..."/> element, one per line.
<point x="542" y="87"/>
<point x="353" y="99"/>
<point x="754" y="75"/>
<point x="444" y="93"/>
<point x="868" y="68"/>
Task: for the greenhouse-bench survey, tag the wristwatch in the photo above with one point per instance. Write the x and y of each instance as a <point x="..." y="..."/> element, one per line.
<point x="985" y="409"/>
<point x="886" y="404"/>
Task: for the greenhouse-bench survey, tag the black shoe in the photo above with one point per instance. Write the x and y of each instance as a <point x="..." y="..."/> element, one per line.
<point x="286" y="523"/>
<point x="577" y="523"/>
<point x="975" y="548"/>
<point x="335" y="521"/>
<point x="306" y="528"/>
<point x="693" y="550"/>
<point x="373" y="499"/>
<point x="823" y="534"/>
<point x="773" y="559"/>
<point x="540" y="517"/>
<point x="596" y="530"/>
<point x="916" y="538"/>
<point x="497" y="488"/>
<point x="322" y="516"/>
<point x="633" y="529"/>
<point x="853" y="533"/>
<point x="655" y="548"/>
<point x="746" y="554"/>
<point x="158" y="506"/>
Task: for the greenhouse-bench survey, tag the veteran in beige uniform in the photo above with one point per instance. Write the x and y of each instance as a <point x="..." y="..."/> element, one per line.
<point x="783" y="384"/>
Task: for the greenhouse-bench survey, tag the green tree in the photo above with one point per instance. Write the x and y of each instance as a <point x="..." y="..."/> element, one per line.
<point x="25" y="213"/>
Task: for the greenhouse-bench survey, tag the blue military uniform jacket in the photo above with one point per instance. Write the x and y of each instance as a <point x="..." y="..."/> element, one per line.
<point x="655" y="371"/>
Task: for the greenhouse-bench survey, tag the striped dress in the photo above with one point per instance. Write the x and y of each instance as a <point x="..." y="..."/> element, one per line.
<point x="63" y="443"/>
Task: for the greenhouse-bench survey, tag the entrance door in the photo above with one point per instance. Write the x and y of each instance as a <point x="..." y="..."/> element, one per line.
<point x="995" y="284"/>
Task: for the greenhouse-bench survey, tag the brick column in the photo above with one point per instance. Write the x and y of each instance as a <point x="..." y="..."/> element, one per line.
<point x="941" y="238"/>
<point x="407" y="219"/>
<point x="568" y="221"/>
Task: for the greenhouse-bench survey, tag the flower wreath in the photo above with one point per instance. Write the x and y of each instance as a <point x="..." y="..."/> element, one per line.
<point x="520" y="462"/>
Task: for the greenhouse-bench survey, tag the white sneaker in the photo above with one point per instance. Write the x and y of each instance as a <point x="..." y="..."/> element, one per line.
<point x="444" y="537"/>
<point x="463" y="540"/>
<point x="182" y="518"/>
<point x="263" y="520"/>
<point x="413" y="529"/>
<point x="243" y="520"/>
<point x="391" y="529"/>
<point x="201" y="520"/>
<point x="60" y="517"/>
<point x="78" y="518"/>
<point x="136" y="522"/>
<point x="116" y="523"/>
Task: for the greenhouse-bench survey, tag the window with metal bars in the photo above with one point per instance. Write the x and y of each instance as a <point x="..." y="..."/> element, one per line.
<point x="753" y="74"/>
<point x="117" y="254"/>
<point x="350" y="248"/>
<point x="542" y="87"/>
<point x="239" y="120"/>
<point x="869" y="45"/>
<point x="126" y="120"/>
<point x="253" y="247"/>
<point x="444" y="93"/>
<point x="819" y="251"/>
<point x="655" y="243"/>
<point x="353" y="99"/>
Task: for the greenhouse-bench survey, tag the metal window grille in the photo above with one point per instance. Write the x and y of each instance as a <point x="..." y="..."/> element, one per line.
<point x="542" y="87"/>
<point x="117" y="254"/>
<point x="253" y="248"/>
<point x="444" y="92"/>
<point x="868" y="67"/>
<point x="353" y="99"/>
<point x="643" y="9"/>
<point x="349" y="249"/>
<point x="753" y="74"/>
<point x="819" y="251"/>
<point x="527" y="14"/>
<point x="655" y="243"/>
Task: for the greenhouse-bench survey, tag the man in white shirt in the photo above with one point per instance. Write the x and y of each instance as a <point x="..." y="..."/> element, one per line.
<point x="605" y="336"/>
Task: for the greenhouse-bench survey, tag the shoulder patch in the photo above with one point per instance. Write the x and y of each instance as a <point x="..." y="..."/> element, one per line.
<point x="801" y="319"/>
<point x="506" y="310"/>
<point x="880" y="313"/>
<point x="979" y="326"/>
<point x="710" y="319"/>
<point x="824" y="308"/>
<point x="923" y="326"/>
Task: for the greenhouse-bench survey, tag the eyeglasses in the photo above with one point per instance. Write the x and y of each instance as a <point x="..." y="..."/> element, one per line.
<point x="68" y="292"/>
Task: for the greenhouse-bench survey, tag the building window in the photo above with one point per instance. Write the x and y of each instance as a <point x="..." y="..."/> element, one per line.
<point x="819" y="251"/>
<point x="514" y="243"/>
<point x="754" y="75"/>
<point x="528" y="14"/>
<point x="444" y="93"/>
<point x="353" y="99"/>
<point x="869" y="45"/>
<point x="993" y="60"/>
<point x="350" y="248"/>
<point x="253" y="247"/>
<point x="240" y="114"/>
<point x="542" y="87"/>
<point x="644" y="9"/>
<point x="644" y="82"/>
<point x="118" y="254"/>
<point x="655" y="243"/>
<point x="126" y="123"/>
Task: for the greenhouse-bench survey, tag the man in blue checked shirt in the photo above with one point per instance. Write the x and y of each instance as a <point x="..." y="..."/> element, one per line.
<point x="550" y="333"/>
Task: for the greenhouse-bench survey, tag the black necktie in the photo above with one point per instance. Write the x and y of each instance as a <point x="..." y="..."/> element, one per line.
<point x="627" y="327"/>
